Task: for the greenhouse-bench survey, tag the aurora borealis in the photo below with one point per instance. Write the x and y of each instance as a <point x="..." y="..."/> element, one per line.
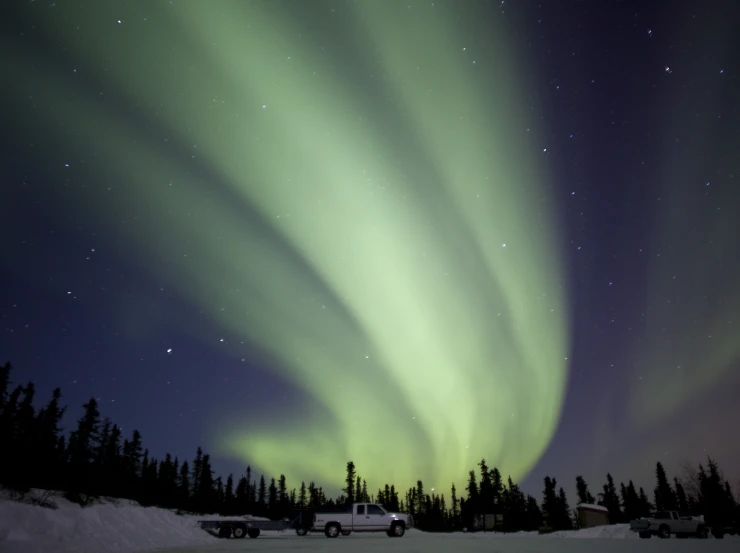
<point x="378" y="231"/>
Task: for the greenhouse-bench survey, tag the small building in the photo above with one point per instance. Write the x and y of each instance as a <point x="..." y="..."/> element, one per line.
<point x="592" y="515"/>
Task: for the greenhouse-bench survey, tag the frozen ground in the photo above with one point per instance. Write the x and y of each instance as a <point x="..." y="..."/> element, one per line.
<point x="420" y="542"/>
<point x="121" y="526"/>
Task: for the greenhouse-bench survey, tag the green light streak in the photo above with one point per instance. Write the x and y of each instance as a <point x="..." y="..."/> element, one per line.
<point x="382" y="288"/>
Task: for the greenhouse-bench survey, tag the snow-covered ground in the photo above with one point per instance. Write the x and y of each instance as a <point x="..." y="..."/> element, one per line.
<point x="121" y="526"/>
<point x="118" y="526"/>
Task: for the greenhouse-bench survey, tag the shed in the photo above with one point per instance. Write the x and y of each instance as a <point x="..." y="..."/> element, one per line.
<point x="592" y="515"/>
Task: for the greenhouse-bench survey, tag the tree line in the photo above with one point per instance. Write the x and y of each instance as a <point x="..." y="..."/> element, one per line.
<point x="95" y="459"/>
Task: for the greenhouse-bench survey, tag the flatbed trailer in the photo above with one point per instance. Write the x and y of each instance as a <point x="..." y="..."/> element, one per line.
<point x="242" y="527"/>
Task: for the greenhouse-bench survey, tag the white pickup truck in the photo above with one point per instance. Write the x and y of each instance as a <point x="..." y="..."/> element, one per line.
<point x="363" y="517"/>
<point x="665" y="523"/>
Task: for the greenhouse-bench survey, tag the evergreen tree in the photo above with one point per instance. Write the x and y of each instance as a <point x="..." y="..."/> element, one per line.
<point x="350" y="482"/>
<point x="563" y="512"/>
<point x="681" y="500"/>
<point x="514" y="508"/>
<point x="630" y="502"/>
<point x="470" y="509"/>
<point x="82" y="444"/>
<point x="183" y="485"/>
<point x="584" y="495"/>
<point x="534" y="515"/>
<point x="262" y="496"/>
<point x="609" y="499"/>
<point x="229" y="497"/>
<point x="550" y="503"/>
<point x="665" y="498"/>
<point x="5" y="371"/>
<point x="302" y="497"/>
<point x="645" y="506"/>
<point x="49" y="460"/>
<point x="455" y="507"/>
<point x="272" y="501"/>
<point x="485" y="489"/>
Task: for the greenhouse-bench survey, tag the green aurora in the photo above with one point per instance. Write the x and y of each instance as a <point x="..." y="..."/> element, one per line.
<point x="376" y="220"/>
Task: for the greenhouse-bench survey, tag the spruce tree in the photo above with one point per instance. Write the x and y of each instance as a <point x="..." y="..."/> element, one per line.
<point x="563" y="512"/>
<point x="609" y="499"/>
<point x="82" y="444"/>
<point x="665" y="498"/>
<point x="302" y="497"/>
<point x="550" y="502"/>
<point x="350" y="482"/>
<point x="584" y="495"/>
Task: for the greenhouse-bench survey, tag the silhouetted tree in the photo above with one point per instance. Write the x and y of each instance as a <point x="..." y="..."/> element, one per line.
<point x="584" y="495"/>
<point x="665" y="498"/>
<point x="609" y="499"/>
<point x="350" y="482"/>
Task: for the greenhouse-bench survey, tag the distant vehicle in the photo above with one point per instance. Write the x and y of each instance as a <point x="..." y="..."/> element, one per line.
<point x="362" y="517"/>
<point x="665" y="523"/>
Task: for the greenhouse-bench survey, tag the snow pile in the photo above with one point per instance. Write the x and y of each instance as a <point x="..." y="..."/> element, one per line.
<point x="612" y="531"/>
<point x="118" y="526"/>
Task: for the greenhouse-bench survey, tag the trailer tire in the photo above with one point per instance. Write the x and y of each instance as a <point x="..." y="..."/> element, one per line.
<point x="253" y="532"/>
<point x="702" y="532"/>
<point x="718" y="533"/>
<point x="664" y="532"/>
<point x="301" y="531"/>
<point x="645" y="535"/>
<point x="240" y="531"/>
<point x="224" y="532"/>
<point x="332" y="530"/>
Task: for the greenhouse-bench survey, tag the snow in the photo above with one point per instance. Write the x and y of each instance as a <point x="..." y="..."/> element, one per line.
<point x="592" y="507"/>
<point x="118" y="526"/>
<point x="122" y="526"/>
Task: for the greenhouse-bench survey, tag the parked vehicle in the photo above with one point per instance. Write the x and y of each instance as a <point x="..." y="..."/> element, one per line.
<point x="665" y="523"/>
<point x="362" y="517"/>
<point x="242" y="527"/>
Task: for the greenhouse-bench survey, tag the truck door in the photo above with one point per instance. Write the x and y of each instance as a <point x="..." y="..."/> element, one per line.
<point x="360" y="520"/>
<point x="376" y="517"/>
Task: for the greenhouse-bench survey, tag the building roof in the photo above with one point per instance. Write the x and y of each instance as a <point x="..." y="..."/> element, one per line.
<point x="589" y="507"/>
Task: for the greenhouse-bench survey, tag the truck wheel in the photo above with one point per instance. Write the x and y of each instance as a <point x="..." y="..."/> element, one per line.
<point x="346" y="532"/>
<point x="645" y="535"/>
<point x="664" y="532"/>
<point x="397" y="530"/>
<point x="301" y="531"/>
<point x="253" y="532"/>
<point x="332" y="530"/>
<point x="702" y="532"/>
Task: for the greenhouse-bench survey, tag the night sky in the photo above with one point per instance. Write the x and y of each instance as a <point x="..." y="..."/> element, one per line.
<point x="409" y="234"/>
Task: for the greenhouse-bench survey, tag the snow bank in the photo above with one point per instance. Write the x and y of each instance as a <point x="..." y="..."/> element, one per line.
<point x="118" y="526"/>
<point x="612" y="531"/>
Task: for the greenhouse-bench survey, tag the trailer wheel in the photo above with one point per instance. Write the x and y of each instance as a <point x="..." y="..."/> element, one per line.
<point x="240" y="531"/>
<point x="645" y="535"/>
<point x="397" y="530"/>
<point x="224" y="532"/>
<point x="702" y="532"/>
<point x="718" y="533"/>
<point x="664" y="532"/>
<point x="332" y="530"/>
<point x="253" y="532"/>
<point x="301" y="531"/>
